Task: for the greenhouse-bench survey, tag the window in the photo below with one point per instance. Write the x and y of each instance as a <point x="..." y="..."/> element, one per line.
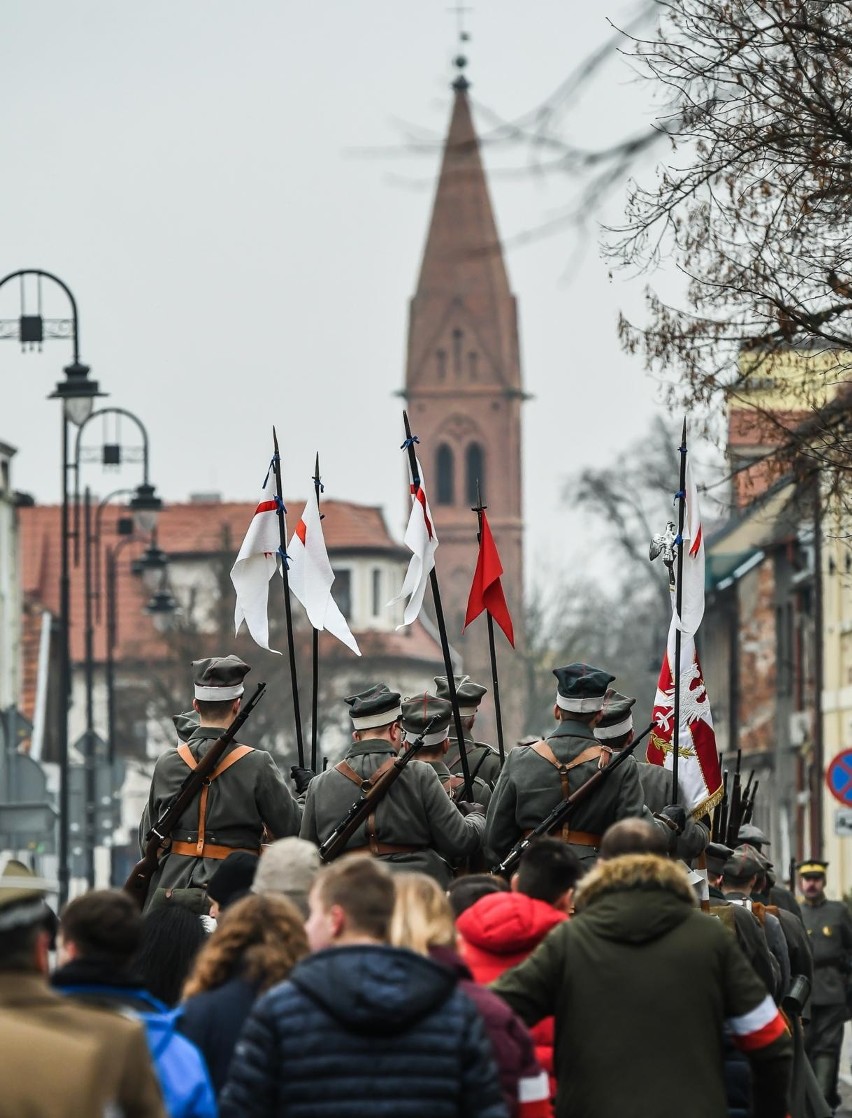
<point x="445" y="469"/>
<point x="342" y="592"/>
<point x="377" y="591"/>
<point x="474" y="473"/>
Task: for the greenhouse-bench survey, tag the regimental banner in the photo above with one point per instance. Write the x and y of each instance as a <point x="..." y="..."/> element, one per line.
<point x="699" y="771"/>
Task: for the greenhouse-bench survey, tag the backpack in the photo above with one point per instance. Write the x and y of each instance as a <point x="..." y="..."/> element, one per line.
<point x="181" y="1070"/>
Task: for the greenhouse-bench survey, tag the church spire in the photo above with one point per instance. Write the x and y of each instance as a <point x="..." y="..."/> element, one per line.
<point x="463" y="258"/>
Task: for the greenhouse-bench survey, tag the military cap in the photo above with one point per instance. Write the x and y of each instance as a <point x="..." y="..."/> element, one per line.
<point x="21" y="896"/>
<point x="219" y="678"/>
<point x="186" y="724"/>
<point x="468" y="693"/>
<point x="753" y="835"/>
<point x="377" y="706"/>
<point x="581" y="688"/>
<point x="745" y="862"/>
<point x="418" y="712"/>
<point x="616" y="716"/>
<point x="717" y="854"/>
<point x="813" y="866"/>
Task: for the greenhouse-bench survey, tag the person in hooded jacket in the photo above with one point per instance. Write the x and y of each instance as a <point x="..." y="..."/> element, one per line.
<point x="98" y="935"/>
<point x="499" y="930"/>
<point x="672" y="980"/>
<point x="423" y="922"/>
<point x="361" y="1029"/>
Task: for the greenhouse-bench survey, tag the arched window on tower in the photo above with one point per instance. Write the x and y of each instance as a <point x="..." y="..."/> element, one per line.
<point x="445" y="470"/>
<point x="474" y="472"/>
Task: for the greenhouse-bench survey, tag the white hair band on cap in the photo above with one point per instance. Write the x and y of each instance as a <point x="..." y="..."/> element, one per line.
<point x="371" y="721"/>
<point x="19" y="915"/>
<point x="218" y="694"/>
<point x="615" y="731"/>
<point x="429" y="739"/>
<point x="580" y="706"/>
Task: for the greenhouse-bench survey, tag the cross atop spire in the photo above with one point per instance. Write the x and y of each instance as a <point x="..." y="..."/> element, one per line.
<point x="460" y="61"/>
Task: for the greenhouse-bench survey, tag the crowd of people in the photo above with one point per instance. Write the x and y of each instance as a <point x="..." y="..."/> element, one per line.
<point x="596" y="980"/>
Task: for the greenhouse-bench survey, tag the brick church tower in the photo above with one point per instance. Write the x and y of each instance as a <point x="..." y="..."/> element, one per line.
<point x="464" y="394"/>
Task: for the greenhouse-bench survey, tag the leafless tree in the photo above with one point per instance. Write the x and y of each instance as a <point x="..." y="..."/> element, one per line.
<point x="752" y="206"/>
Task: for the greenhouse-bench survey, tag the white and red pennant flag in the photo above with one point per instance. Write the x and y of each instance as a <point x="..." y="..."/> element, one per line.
<point x="256" y="563"/>
<point x="422" y="541"/>
<point x="699" y="771"/>
<point x="311" y="576"/>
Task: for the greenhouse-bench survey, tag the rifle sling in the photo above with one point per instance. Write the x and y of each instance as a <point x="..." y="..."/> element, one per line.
<point x="185" y="754"/>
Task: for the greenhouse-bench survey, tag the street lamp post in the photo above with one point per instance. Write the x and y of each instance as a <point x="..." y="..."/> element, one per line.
<point x="145" y="505"/>
<point x="77" y="393"/>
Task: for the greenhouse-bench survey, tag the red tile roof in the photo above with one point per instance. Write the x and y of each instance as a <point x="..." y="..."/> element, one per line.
<point x="185" y="530"/>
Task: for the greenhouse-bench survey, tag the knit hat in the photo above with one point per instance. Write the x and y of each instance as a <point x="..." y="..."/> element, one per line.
<point x="288" y="866"/>
<point x="233" y="878"/>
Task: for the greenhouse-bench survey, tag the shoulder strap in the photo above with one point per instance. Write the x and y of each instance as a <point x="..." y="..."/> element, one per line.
<point x="543" y="750"/>
<point x="185" y="754"/>
<point x="451" y="785"/>
<point x="345" y="769"/>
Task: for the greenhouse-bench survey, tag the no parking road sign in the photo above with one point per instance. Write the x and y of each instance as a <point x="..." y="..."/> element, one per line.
<point x="838" y="777"/>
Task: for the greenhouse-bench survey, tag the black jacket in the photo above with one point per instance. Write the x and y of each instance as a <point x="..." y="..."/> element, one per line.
<point x="364" y="1032"/>
<point x="214" y="1020"/>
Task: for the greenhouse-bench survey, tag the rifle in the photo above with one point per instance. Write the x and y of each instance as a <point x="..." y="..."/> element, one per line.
<point x="370" y="796"/>
<point x="562" y="810"/>
<point x="139" y="880"/>
<point x="735" y="810"/>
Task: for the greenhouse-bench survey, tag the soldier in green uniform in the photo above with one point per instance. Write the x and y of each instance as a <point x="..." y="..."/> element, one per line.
<point x="536" y="778"/>
<point x="416" y="826"/>
<point x="738" y="919"/>
<point x="829" y="928"/>
<point x="416" y="714"/>
<point x="614" y="731"/>
<point x="483" y="759"/>
<point x="245" y="794"/>
<point x="779" y="895"/>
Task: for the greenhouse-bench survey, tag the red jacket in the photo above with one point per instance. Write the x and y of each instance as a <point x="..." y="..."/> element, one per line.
<point x="498" y="932"/>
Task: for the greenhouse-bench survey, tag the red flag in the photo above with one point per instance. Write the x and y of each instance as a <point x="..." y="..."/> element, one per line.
<point x="486" y="591"/>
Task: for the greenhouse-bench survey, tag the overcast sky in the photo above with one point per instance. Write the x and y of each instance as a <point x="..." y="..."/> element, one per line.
<point x="228" y="190"/>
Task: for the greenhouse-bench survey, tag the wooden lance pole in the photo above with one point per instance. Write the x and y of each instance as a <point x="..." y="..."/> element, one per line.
<point x="467" y="792"/>
<point x="285" y="578"/>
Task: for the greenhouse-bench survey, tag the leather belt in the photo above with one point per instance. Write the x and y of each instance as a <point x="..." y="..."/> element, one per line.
<point x="379" y="848"/>
<point x="209" y="850"/>
<point x="578" y="838"/>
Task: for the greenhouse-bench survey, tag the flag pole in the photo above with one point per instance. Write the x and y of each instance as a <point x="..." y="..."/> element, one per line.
<point x="285" y="578"/>
<point x="467" y="791"/>
<point x="492" y="652"/>
<point x="318" y="486"/>
<point x="681" y="514"/>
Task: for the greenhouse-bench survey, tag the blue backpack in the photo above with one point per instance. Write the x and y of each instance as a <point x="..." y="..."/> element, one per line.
<point x="181" y="1070"/>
